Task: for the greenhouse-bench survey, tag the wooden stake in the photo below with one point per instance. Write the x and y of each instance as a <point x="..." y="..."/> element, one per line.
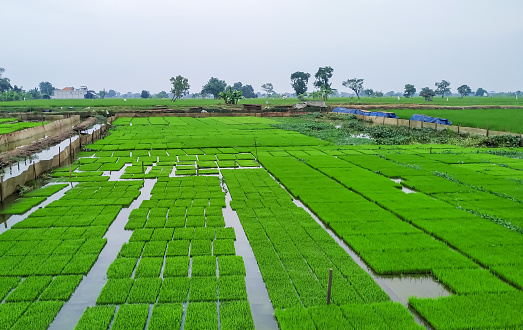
<point x="143" y="171"/>
<point x="2" y="188"/>
<point x="488" y="128"/>
<point x="70" y="170"/>
<point x="34" y="169"/>
<point x="329" y="287"/>
<point x="59" y="156"/>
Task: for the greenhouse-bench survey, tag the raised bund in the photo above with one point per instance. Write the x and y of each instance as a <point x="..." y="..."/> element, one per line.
<point x="27" y="133"/>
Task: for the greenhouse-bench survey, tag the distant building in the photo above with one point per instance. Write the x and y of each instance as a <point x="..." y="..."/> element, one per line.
<point x="72" y="93"/>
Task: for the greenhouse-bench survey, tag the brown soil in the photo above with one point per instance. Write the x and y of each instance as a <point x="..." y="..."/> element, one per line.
<point x="12" y="156"/>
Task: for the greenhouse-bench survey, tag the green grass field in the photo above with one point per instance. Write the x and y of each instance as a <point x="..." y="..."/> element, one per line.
<point x="135" y="102"/>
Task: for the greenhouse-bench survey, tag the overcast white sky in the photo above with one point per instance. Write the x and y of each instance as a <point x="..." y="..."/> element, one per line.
<point x="131" y="45"/>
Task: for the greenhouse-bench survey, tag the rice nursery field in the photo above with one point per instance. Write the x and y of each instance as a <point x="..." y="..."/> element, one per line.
<point x="449" y="213"/>
<point x="9" y="125"/>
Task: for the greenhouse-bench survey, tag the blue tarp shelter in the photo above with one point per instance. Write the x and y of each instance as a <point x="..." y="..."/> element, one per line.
<point x="366" y="113"/>
<point x="429" y="119"/>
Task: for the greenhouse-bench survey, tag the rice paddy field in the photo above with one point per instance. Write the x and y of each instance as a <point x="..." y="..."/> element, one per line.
<point x="229" y="223"/>
<point x="9" y="125"/>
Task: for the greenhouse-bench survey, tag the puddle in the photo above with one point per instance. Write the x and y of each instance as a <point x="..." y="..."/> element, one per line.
<point x="261" y="306"/>
<point x="403" y="188"/>
<point x="10" y="220"/>
<point x="15" y="144"/>
<point x="89" y="289"/>
<point x="116" y="175"/>
<point x="361" y="136"/>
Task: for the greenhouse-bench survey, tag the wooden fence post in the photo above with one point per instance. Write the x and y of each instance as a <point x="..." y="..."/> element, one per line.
<point x="488" y="128"/>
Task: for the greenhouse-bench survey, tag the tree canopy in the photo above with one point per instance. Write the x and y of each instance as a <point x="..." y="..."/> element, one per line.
<point x="247" y="90"/>
<point x="410" y="90"/>
<point x="145" y="94"/>
<point x="5" y="83"/>
<point x="464" y="90"/>
<point x="214" y="86"/>
<point x="427" y="93"/>
<point x="481" y="92"/>
<point x="355" y="84"/>
<point x="442" y="88"/>
<point x="268" y="88"/>
<point x="299" y="81"/>
<point x="46" y="88"/>
<point x="180" y="87"/>
<point x="322" y="76"/>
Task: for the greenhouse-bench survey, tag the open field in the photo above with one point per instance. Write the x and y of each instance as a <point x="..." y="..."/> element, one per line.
<point x="169" y="185"/>
<point x="186" y="103"/>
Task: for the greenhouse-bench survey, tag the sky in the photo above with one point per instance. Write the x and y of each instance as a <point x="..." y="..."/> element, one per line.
<point x="131" y="45"/>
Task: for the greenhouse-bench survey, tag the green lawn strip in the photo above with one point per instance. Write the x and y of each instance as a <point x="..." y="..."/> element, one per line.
<point x="115" y="291"/>
<point x="61" y="288"/>
<point x="231" y="265"/>
<point x="223" y="233"/>
<point x="223" y="247"/>
<point x="174" y="289"/>
<point x="39" y="315"/>
<point x="46" y="191"/>
<point x="80" y="264"/>
<point x="483" y="311"/>
<point x="10" y="313"/>
<point x="201" y="315"/>
<point x="203" y="289"/>
<point x="236" y="315"/>
<point x="30" y="288"/>
<point x="467" y="281"/>
<point x="178" y="248"/>
<point x="201" y="247"/>
<point x="204" y="266"/>
<point x="7" y="284"/>
<point x="149" y="267"/>
<point x="131" y="250"/>
<point x="154" y="249"/>
<point x="179" y="266"/>
<point x="132" y="316"/>
<point x="122" y="268"/>
<point x="96" y="318"/>
<point x="166" y="316"/>
<point x="145" y="290"/>
<point x="232" y="288"/>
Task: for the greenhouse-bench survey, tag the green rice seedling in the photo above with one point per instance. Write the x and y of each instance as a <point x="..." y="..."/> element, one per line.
<point x="209" y="171"/>
<point x="183" y="233"/>
<point x="203" y="289"/>
<point x="27" y="266"/>
<point x="223" y="247"/>
<point x="176" y="266"/>
<point x="131" y="317"/>
<point x="364" y="316"/>
<point x="149" y="267"/>
<point x="7" y="284"/>
<point x="328" y="317"/>
<point x="247" y="163"/>
<point x="141" y="235"/>
<point x="295" y="318"/>
<point x="175" y="221"/>
<point x="69" y="246"/>
<point x="11" y="312"/>
<point x="178" y="248"/>
<point x="131" y="250"/>
<point x="96" y="318"/>
<point x="21" y="248"/>
<point x="6" y="245"/>
<point x="93" y="246"/>
<point x="54" y="264"/>
<point x="215" y="221"/>
<point x="231" y="265"/>
<point x="45" y="247"/>
<point x="232" y="288"/>
<point x="145" y="290"/>
<point x="155" y="249"/>
<point x="467" y="281"/>
<point x="282" y="293"/>
<point x="204" y="266"/>
<point x="162" y="234"/>
<point x="201" y="247"/>
<point x="73" y="233"/>
<point x="39" y="315"/>
<point x="11" y="234"/>
<point x="122" y="268"/>
<point x="166" y="316"/>
<point x="8" y="263"/>
<point x="46" y="191"/>
<point x="195" y="221"/>
<point x="201" y="315"/>
<point x="204" y="233"/>
<point x="224" y="233"/>
<point x="80" y="264"/>
<point x="155" y="222"/>
<point x="29" y="289"/>
<point x="23" y="205"/>
<point x="115" y="291"/>
<point x="236" y="315"/>
<point x="61" y="288"/>
<point x="174" y="289"/>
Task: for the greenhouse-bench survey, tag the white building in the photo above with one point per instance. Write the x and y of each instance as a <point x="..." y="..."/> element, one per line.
<point x="70" y="93"/>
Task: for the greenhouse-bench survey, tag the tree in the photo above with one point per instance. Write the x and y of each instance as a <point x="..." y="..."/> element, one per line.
<point x="214" y="86"/>
<point x="102" y="93"/>
<point x="231" y="96"/>
<point x="161" y="95"/>
<point x="442" y="88"/>
<point x="268" y="88"/>
<point x="111" y="93"/>
<point x="481" y="92"/>
<point x="369" y="92"/>
<point x="5" y="83"/>
<point x="237" y="86"/>
<point x="410" y="90"/>
<point x="248" y="92"/>
<point x="180" y="87"/>
<point x="427" y="93"/>
<point x="322" y="81"/>
<point x="145" y="94"/>
<point x="299" y="81"/>
<point x="355" y="84"/>
<point x="46" y="88"/>
<point x="35" y="93"/>
<point x="378" y="94"/>
<point x="464" y="90"/>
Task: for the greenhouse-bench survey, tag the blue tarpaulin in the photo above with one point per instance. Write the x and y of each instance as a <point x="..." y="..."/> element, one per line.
<point x="366" y="113"/>
<point x="429" y="119"/>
